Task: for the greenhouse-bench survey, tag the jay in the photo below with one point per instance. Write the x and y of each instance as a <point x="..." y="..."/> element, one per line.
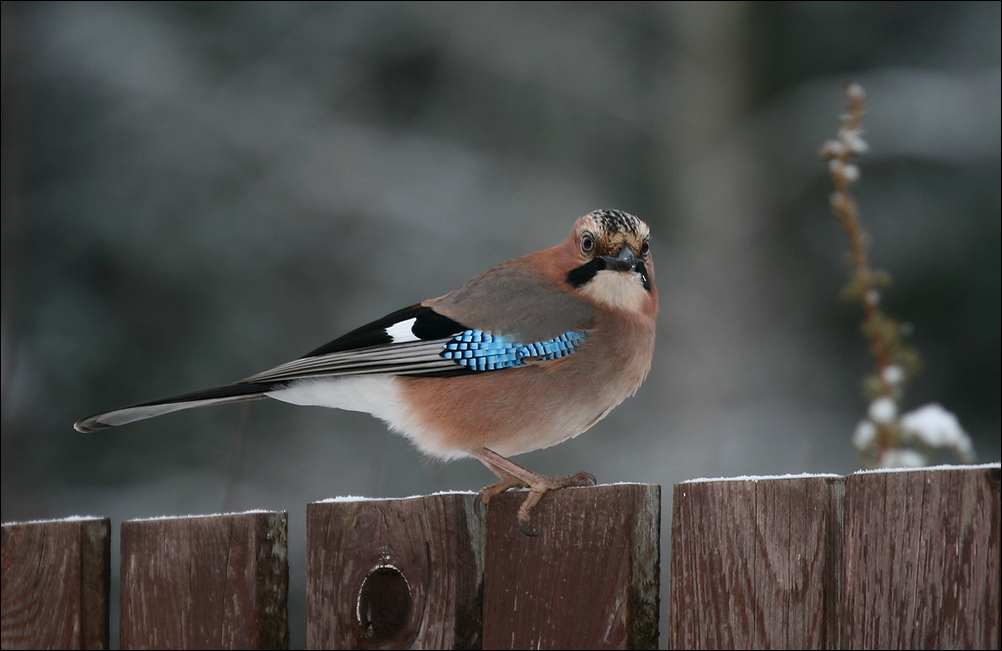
<point x="524" y="356"/>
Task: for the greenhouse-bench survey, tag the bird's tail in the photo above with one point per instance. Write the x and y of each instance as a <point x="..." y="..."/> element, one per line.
<point x="215" y="396"/>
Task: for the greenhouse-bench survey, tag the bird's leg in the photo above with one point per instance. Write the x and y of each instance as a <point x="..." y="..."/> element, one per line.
<point x="486" y="493"/>
<point x="512" y="475"/>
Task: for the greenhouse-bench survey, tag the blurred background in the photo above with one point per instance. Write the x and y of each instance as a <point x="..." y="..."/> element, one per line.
<point x="195" y="192"/>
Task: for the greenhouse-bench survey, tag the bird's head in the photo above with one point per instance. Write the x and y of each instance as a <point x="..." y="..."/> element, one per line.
<point x="610" y="252"/>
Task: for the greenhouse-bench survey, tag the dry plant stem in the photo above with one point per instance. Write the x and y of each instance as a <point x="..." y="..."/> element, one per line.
<point x="845" y="210"/>
<point x="864" y="280"/>
<point x="882" y="431"/>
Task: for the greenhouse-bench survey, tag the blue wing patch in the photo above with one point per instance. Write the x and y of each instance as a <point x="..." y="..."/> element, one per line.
<point x="481" y="351"/>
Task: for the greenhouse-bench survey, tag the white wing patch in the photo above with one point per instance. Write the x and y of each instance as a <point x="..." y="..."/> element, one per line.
<point x="401" y="332"/>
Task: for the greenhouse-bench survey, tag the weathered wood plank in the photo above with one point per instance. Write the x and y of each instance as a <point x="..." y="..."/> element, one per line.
<point x="213" y="582"/>
<point x="756" y="564"/>
<point x="922" y="559"/>
<point x="590" y="577"/>
<point x="394" y="574"/>
<point x="55" y="584"/>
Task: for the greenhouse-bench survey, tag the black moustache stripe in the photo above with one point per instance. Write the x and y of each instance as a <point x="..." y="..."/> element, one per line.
<point x="583" y="274"/>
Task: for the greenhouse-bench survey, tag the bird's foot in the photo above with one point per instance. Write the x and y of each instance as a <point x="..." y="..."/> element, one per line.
<point x="540" y="488"/>
<point x="513" y="475"/>
<point x="487" y="492"/>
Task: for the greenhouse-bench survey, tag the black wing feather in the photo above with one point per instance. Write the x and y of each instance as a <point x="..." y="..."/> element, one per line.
<point x="428" y="325"/>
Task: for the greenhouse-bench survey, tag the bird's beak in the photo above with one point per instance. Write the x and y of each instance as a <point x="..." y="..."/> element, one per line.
<point x="625" y="260"/>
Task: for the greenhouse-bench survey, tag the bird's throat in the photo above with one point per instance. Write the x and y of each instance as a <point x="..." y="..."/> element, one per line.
<point x="622" y="290"/>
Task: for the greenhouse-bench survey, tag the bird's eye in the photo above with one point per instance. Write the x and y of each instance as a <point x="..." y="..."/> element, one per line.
<point x="587" y="243"/>
<point x="645" y="248"/>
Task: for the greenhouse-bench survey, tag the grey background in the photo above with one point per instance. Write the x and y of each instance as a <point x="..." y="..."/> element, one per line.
<point x="195" y="192"/>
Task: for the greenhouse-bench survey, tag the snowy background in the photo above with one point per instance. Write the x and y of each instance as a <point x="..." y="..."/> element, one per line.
<point x="196" y="192"/>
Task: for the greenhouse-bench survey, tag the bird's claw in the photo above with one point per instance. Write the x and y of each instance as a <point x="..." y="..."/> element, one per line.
<point x="480" y="508"/>
<point x="523" y="526"/>
<point x="525" y="511"/>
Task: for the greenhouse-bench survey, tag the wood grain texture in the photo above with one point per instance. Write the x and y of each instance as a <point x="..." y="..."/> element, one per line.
<point x="589" y="579"/>
<point x="922" y="559"/>
<point x="394" y="574"/>
<point x="55" y="584"/>
<point x="214" y="582"/>
<point x="756" y="564"/>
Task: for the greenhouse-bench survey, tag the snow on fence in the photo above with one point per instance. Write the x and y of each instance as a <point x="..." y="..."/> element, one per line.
<point x="875" y="560"/>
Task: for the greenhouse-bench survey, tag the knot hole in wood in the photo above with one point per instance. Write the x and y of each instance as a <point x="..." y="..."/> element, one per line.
<point x="383" y="609"/>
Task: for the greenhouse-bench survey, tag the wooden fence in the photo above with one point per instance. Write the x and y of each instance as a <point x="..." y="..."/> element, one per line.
<point x="875" y="560"/>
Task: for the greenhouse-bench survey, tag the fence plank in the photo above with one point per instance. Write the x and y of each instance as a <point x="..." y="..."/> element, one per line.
<point x="55" y="584"/>
<point x="922" y="559"/>
<point x="756" y="564"/>
<point x="402" y="573"/>
<point x="213" y="582"/>
<point x="590" y="577"/>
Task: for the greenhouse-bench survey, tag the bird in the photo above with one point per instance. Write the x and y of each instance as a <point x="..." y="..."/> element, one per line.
<point x="523" y="356"/>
